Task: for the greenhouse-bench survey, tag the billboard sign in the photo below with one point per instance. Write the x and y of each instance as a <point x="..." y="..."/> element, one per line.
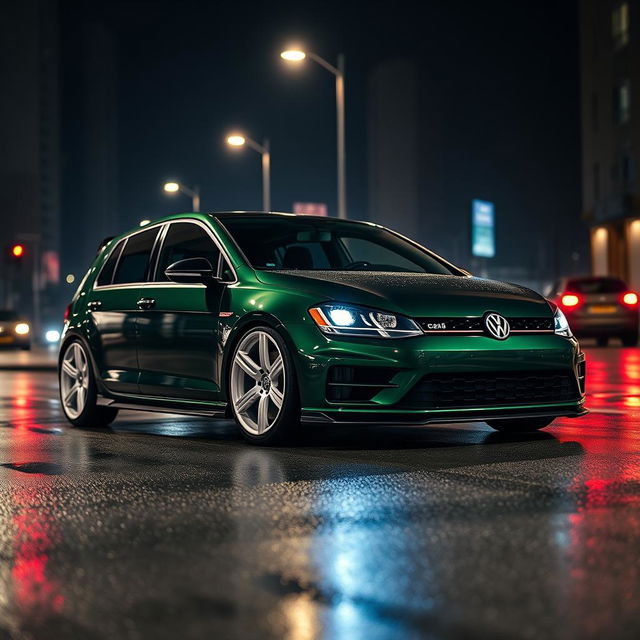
<point x="483" y="229"/>
<point x="310" y="208"/>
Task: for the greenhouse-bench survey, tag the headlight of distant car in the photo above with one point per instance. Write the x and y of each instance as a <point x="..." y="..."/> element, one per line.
<point x="561" y="326"/>
<point x="22" y="328"/>
<point x="351" y="320"/>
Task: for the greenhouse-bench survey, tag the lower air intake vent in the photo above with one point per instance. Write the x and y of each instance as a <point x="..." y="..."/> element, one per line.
<point x="468" y="390"/>
<point x="358" y="384"/>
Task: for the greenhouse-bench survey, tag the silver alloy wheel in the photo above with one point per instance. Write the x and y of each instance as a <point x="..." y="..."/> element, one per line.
<point x="74" y="380"/>
<point x="257" y="382"/>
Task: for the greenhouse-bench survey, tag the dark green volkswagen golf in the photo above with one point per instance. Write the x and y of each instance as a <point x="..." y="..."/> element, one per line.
<point x="277" y="319"/>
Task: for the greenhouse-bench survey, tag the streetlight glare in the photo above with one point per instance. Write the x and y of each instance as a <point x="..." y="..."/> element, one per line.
<point x="236" y="140"/>
<point x="171" y="187"/>
<point x="293" y="55"/>
<point x="144" y="222"/>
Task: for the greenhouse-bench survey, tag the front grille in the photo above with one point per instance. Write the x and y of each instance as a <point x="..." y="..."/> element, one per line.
<point x="475" y="325"/>
<point x="531" y="324"/>
<point x="468" y="390"/>
<point x="358" y="384"/>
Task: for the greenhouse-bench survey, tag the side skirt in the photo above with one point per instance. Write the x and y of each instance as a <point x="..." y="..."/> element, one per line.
<point x="163" y="406"/>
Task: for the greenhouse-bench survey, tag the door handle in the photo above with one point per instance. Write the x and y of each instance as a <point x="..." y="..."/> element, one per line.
<point x="146" y="303"/>
<point x="94" y="305"/>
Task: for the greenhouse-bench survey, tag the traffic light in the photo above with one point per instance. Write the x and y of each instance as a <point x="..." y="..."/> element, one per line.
<point x="17" y="251"/>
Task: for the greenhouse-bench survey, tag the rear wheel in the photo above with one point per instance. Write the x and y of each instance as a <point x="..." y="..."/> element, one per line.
<point x="602" y="341"/>
<point x="520" y="424"/>
<point x="78" y="391"/>
<point x="629" y="339"/>
<point x="263" y="389"/>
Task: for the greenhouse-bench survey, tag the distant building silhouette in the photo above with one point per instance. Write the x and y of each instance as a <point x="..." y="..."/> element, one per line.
<point x="610" y="74"/>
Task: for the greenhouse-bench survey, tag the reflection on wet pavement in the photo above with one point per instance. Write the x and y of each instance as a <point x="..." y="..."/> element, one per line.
<point x="173" y="527"/>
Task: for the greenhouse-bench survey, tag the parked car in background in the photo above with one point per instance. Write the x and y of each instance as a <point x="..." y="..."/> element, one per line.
<point x="599" y="307"/>
<point x="14" y="330"/>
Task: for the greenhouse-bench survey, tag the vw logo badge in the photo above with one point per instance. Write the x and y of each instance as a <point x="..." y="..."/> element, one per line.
<point x="497" y="326"/>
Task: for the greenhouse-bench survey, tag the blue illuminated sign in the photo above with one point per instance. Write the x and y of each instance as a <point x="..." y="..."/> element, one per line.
<point x="483" y="229"/>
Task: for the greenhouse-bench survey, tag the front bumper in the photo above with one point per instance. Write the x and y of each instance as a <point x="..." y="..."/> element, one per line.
<point x="414" y="358"/>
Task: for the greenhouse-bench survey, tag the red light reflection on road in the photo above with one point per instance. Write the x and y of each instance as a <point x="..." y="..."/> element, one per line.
<point x="36" y="595"/>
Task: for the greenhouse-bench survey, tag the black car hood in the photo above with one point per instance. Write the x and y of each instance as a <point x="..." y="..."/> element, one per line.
<point x="414" y="294"/>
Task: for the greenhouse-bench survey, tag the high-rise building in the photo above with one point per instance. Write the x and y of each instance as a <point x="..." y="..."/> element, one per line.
<point x="610" y="75"/>
<point x="30" y="151"/>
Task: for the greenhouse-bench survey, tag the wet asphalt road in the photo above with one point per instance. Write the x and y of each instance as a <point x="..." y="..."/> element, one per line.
<point x="171" y="527"/>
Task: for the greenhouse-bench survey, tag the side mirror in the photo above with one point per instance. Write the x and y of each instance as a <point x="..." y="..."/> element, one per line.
<point x="191" y="271"/>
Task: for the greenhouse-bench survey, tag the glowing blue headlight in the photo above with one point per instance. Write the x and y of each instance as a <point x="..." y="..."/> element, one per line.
<point x="561" y="326"/>
<point x="362" y="322"/>
<point x="342" y="317"/>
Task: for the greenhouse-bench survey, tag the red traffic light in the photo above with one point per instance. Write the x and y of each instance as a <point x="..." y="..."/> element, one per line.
<point x="17" y="251"/>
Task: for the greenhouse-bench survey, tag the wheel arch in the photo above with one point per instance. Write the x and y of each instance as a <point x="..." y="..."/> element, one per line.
<point x="75" y="335"/>
<point x="245" y="324"/>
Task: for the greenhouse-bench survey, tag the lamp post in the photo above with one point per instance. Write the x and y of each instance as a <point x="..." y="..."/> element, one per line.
<point x="177" y="187"/>
<point x="237" y="140"/>
<point x="297" y="55"/>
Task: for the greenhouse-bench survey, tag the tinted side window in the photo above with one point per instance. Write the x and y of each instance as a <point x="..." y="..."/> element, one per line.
<point x="135" y="257"/>
<point x="186" y="240"/>
<point x="106" y="275"/>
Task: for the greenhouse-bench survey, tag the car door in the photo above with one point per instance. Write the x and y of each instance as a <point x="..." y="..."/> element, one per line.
<point x="113" y="310"/>
<point x="178" y="342"/>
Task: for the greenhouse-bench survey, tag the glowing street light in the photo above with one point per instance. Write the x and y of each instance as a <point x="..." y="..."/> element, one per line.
<point x="237" y="141"/>
<point x="298" y="55"/>
<point x="293" y="55"/>
<point x="177" y="187"/>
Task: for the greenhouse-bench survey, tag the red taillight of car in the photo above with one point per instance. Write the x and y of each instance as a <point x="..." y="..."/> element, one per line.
<point x="67" y="311"/>
<point x="630" y="299"/>
<point x="570" y="300"/>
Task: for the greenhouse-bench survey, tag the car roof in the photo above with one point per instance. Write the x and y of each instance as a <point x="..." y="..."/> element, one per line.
<point x="225" y="215"/>
<point x="594" y="279"/>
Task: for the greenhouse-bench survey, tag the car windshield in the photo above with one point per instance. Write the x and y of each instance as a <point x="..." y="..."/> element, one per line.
<point x="596" y="285"/>
<point x="6" y="316"/>
<point x="289" y="243"/>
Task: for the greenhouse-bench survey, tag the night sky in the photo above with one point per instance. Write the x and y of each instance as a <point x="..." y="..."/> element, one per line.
<point x="191" y="71"/>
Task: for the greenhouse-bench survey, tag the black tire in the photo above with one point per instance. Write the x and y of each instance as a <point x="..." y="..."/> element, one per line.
<point x="288" y="418"/>
<point x="602" y="341"/>
<point x="92" y="416"/>
<point x="520" y="425"/>
<point x="629" y="339"/>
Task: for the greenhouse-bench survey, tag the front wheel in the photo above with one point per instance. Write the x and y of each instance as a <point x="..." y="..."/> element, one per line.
<point x="263" y="388"/>
<point x="518" y="425"/>
<point x="78" y="391"/>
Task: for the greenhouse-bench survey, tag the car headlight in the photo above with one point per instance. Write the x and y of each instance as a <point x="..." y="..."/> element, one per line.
<point x="351" y="320"/>
<point x="22" y="328"/>
<point x="561" y="325"/>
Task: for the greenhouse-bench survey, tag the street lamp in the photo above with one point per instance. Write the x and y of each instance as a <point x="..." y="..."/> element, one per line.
<point x="297" y="55"/>
<point x="178" y="187"/>
<point x="237" y="140"/>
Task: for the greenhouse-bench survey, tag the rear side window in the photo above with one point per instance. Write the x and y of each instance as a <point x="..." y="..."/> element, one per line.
<point x="106" y="275"/>
<point x="596" y="285"/>
<point x="186" y="240"/>
<point x="134" y="261"/>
